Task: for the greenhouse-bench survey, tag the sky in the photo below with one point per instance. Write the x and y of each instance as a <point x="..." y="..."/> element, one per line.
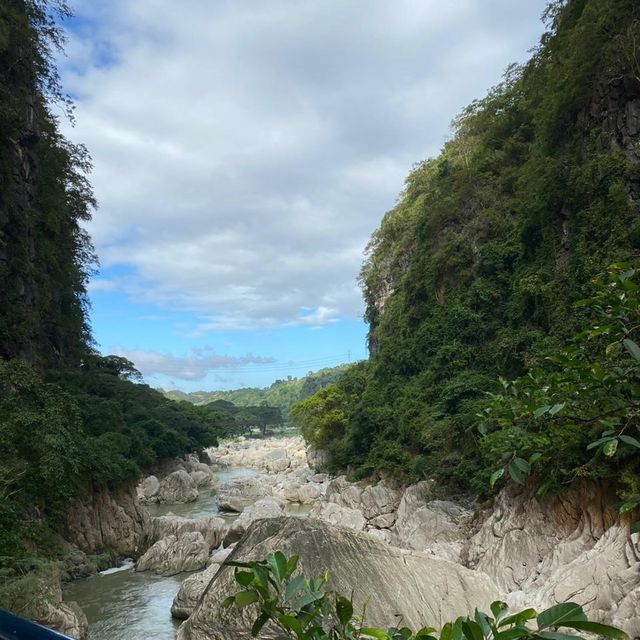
<point x="245" y="151"/>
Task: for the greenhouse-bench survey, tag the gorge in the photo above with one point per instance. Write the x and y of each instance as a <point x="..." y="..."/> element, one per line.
<point x="487" y="450"/>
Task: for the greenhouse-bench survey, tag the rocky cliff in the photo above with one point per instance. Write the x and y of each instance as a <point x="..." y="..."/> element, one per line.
<point x="101" y="520"/>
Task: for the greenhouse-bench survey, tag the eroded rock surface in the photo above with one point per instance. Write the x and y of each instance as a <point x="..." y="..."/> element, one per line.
<point x="569" y="547"/>
<point x="177" y="487"/>
<point x="422" y="589"/>
<point x="424" y="524"/>
<point x="260" y="510"/>
<point x="172" y="554"/>
<point x="191" y="591"/>
<point x="339" y="516"/>
<point x="234" y="496"/>
<point x="48" y="609"/>
<point x="213" y="529"/>
<point x="100" y="520"/>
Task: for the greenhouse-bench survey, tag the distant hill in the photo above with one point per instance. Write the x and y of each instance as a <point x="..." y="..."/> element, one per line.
<point x="281" y="394"/>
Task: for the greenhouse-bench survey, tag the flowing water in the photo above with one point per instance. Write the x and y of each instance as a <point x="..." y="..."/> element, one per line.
<point x="125" y="605"/>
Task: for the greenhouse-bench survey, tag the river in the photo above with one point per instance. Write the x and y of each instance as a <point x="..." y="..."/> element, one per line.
<point x="125" y="605"/>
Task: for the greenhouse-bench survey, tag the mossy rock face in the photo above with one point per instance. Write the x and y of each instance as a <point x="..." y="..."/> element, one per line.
<point x="424" y="590"/>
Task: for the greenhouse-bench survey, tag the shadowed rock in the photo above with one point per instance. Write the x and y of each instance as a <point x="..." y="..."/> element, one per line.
<point x="422" y="589"/>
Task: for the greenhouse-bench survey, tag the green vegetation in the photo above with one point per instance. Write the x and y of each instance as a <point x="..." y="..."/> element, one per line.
<point x="45" y="255"/>
<point x="473" y="275"/>
<point x="299" y="608"/>
<point x="89" y="425"/>
<point x="579" y="416"/>
<point x="68" y="417"/>
<point x="234" y="421"/>
<point x="282" y="394"/>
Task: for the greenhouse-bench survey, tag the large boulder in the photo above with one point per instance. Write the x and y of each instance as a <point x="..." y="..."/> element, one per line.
<point x="234" y="496"/>
<point x="66" y="618"/>
<point x="213" y="529"/>
<point x="276" y="461"/>
<point x="317" y="459"/>
<point x="371" y="500"/>
<point x="191" y="590"/>
<point x="202" y="478"/>
<point x="262" y="509"/>
<point x="417" y="588"/>
<point x="424" y="524"/>
<point x="339" y="516"/>
<point x="177" y="487"/>
<point x="148" y="489"/>
<point x="46" y="607"/>
<point x="173" y="555"/>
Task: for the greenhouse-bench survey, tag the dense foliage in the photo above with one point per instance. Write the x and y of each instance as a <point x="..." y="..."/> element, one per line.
<point x="282" y="394"/>
<point x="90" y="425"/>
<point x="236" y="421"/>
<point x="68" y="418"/>
<point x="293" y="607"/>
<point x="45" y="255"/>
<point x="473" y="274"/>
<point x="579" y="416"/>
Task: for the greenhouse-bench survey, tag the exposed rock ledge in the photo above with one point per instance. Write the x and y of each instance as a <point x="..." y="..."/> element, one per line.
<point x="100" y="520"/>
<point x="571" y="547"/>
<point x="423" y="589"/>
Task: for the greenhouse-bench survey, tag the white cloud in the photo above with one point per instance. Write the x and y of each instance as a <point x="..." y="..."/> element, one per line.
<point x="244" y="152"/>
<point x="191" y="366"/>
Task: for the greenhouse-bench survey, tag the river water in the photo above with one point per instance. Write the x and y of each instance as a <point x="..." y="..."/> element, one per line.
<point x="125" y="605"/>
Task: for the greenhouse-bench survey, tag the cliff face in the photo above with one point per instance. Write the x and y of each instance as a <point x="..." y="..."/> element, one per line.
<point x="573" y="547"/>
<point x="473" y="275"/>
<point x="44" y="253"/>
<point x="101" y="520"/>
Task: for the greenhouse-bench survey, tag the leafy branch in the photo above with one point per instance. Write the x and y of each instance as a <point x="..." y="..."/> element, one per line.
<point x="303" y="609"/>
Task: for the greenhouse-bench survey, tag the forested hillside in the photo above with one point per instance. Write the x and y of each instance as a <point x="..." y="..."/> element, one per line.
<point x="282" y="394"/>
<point x="474" y="273"/>
<point x="70" y="420"/>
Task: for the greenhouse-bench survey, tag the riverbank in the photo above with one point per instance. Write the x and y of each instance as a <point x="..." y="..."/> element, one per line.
<point x="525" y="552"/>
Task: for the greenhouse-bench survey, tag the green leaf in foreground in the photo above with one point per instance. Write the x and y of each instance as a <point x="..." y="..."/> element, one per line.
<point x="558" y="615"/>
<point x="597" y="628"/>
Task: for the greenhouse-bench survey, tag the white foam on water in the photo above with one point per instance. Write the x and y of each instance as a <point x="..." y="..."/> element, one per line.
<point x="128" y="563"/>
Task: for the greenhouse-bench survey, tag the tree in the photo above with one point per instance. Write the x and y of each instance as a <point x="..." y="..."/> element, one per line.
<point x="572" y="418"/>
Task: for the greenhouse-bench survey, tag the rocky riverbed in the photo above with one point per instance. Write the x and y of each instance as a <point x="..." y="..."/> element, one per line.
<point x="573" y="547"/>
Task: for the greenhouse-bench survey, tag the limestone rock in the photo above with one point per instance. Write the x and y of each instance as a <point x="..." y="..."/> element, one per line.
<point x="66" y="618"/>
<point x="384" y="521"/>
<point x="309" y="493"/>
<point x="572" y="546"/>
<point x="148" y="489"/>
<point x="430" y="525"/>
<point x="264" y="508"/>
<point x="213" y="529"/>
<point x="422" y="589"/>
<point x="177" y="487"/>
<point x="173" y="555"/>
<point x="100" y="520"/>
<point x="372" y="501"/>
<point x="277" y="460"/>
<point x="236" y="495"/>
<point x="219" y="556"/>
<point x="339" y="516"/>
<point x="202" y="478"/>
<point x="48" y="609"/>
<point x="317" y="459"/>
<point x="191" y="590"/>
